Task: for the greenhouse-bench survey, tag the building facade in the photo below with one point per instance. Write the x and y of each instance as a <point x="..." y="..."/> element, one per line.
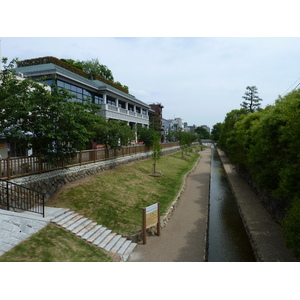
<point x="115" y="103"/>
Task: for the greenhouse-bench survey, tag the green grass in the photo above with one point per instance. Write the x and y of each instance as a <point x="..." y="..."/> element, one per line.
<point x="55" y="244"/>
<point x="115" y="198"/>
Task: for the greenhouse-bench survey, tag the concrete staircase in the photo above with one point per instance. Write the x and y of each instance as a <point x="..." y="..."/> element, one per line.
<point x="93" y="233"/>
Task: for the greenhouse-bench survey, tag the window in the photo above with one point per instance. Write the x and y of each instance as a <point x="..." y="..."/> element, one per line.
<point x="98" y="99"/>
<point x="77" y="91"/>
<point x="130" y="107"/>
<point x="122" y="104"/>
<point x="111" y="101"/>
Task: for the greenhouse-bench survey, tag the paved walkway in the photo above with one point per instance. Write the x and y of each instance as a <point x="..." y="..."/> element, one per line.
<point x="184" y="237"/>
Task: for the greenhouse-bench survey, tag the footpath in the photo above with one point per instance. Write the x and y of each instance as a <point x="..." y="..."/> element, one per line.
<point x="184" y="238"/>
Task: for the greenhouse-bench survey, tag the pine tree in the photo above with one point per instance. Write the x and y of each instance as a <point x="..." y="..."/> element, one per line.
<point x="252" y="101"/>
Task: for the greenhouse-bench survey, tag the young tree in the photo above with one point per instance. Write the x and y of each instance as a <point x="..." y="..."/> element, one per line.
<point x="252" y="101"/>
<point x="185" y="139"/>
<point x="156" y="154"/>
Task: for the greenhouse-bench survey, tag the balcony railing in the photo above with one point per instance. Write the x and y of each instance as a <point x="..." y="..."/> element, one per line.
<point x="123" y="111"/>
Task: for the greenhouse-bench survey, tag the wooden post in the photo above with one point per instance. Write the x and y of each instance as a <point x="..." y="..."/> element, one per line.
<point x="144" y="227"/>
<point x="158" y="216"/>
<point x="8" y="168"/>
<point x="40" y="164"/>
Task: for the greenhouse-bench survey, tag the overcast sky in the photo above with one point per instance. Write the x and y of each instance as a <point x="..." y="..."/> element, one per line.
<point x="195" y="58"/>
<point x="196" y="79"/>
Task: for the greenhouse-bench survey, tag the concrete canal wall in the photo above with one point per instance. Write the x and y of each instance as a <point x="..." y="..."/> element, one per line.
<point x="264" y="233"/>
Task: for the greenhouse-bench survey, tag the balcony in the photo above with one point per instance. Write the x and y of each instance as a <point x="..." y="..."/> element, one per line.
<point x="110" y="111"/>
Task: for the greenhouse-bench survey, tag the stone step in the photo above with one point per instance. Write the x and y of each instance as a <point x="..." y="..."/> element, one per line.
<point x="67" y="219"/>
<point x="96" y="233"/>
<point x="118" y="245"/>
<point x="56" y="213"/>
<point x="102" y="237"/>
<point x="62" y="216"/>
<point x="85" y="228"/>
<point x="128" y="251"/>
<point x="109" y="246"/>
<point x="76" y="224"/>
<point x="72" y="221"/>
<point x="91" y="232"/>
<point x="106" y="240"/>
<point x="124" y="247"/>
<point x="81" y="227"/>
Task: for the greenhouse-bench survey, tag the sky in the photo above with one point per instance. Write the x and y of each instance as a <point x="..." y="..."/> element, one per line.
<point x="198" y="79"/>
<point x="195" y="58"/>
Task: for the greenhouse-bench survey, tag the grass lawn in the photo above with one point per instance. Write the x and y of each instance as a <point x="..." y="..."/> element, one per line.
<point x="55" y="244"/>
<point x="115" y="198"/>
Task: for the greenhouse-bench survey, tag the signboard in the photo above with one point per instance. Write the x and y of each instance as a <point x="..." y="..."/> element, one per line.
<point x="150" y="218"/>
<point x="151" y="215"/>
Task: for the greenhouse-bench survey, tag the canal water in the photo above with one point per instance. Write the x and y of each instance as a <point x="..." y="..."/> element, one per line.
<point x="227" y="238"/>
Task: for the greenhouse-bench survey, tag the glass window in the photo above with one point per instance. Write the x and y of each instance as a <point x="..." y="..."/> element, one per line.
<point x="60" y="84"/>
<point x="111" y="101"/>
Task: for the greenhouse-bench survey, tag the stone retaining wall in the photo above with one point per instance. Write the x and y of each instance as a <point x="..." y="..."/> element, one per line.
<point x="49" y="183"/>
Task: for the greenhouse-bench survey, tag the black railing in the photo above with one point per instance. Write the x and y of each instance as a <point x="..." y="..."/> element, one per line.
<point x="19" y="198"/>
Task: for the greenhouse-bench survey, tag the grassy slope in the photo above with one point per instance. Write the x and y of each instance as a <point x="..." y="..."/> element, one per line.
<point x="115" y="198"/>
<point x="55" y="244"/>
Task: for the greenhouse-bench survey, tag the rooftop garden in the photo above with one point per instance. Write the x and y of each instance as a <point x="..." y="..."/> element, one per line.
<point x="74" y="67"/>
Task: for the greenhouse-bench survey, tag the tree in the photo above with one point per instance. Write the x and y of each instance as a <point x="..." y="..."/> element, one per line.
<point x="202" y="132"/>
<point x="216" y="131"/>
<point x="113" y="133"/>
<point x="146" y="135"/>
<point x="185" y="139"/>
<point x="252" y="101"/>
<point x="94" y="66"/>
<point x="46" y="120"/>
<point x="156" y="154"/>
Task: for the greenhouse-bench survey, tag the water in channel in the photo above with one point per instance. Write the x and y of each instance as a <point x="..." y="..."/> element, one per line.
<point x="227" y="238"/>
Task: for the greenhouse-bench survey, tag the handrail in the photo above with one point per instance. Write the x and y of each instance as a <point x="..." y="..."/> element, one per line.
<point x="20" y="198"/>
<point x="28" y="165"/>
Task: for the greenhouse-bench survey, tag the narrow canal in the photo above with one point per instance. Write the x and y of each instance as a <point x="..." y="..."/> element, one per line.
<point x="227" y="238"/>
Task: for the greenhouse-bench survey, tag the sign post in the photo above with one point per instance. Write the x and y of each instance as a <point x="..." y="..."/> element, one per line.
<point x="150" y="218"/>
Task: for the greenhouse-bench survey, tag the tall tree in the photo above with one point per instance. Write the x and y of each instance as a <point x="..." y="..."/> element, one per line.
<point x="252" y="101"/>
<point x="216" y="131"/>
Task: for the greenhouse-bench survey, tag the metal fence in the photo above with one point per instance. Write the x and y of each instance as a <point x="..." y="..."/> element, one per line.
<point x="19" y="198"/>
<point x="28" y="165"/>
